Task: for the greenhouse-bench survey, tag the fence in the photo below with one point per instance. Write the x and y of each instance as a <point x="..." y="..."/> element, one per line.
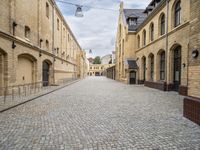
<point x="12" y="95"/>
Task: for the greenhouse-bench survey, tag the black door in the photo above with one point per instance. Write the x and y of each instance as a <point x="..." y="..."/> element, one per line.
<point x="177" y="68"/>
<point x="45" y="73"/>
<point x="132" y="77"/>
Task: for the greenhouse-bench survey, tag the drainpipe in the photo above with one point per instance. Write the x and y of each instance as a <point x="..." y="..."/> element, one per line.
<point x="166" y="46"/>
<point x="53" y="49"/>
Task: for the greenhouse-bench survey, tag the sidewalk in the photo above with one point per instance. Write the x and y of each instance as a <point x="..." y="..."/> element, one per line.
<point x="11" y="102"/>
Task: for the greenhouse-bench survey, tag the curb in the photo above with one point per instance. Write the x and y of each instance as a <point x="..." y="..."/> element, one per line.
<point x="29" y="100"/>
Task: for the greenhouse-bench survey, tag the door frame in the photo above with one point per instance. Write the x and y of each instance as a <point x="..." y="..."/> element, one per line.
<point x="130" y="79"/>
<point x="177" y="59"/>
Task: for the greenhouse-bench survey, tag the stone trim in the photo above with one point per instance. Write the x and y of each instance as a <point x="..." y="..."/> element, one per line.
<point x="157" y="85"/>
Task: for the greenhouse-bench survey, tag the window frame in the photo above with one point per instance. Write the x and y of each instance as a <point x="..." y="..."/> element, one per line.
<point x="177" y="14"/>
<point x="162" y="65"/>
<point x="152" y="67"/>
<point x="47" y="10"/>
<point x="27" y="32"/>
<point x="144" y="37"/>
<point x="162" y="25"/>
<point x="58" y="24"/>
<point x="152" y="32"/>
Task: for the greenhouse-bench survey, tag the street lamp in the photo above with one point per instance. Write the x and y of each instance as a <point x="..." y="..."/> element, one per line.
<point x="79" y="12"/>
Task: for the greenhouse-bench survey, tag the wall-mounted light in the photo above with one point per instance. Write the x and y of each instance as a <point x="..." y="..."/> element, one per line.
<point x="13" y="45"/>
<point x="195" y="53"/>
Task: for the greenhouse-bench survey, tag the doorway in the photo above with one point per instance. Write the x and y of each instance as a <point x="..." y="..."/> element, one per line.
<point x="132" y="77"/>
<point x="177" y="68"/>
<point x="45" y="73"/>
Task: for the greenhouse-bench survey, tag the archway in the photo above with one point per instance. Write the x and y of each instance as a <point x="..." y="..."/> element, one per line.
<point x="26" y="69"/>
<point x="177" y="67"/>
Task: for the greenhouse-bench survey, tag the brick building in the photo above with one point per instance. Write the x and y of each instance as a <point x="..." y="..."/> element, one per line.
<point x="152" y="45"/>
<point x="36" y="43"/>
<point x="159" y="47"/>
<point x="192" y="103"/>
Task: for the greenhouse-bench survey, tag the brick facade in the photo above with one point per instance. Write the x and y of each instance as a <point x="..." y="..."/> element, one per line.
<point x="192" y="103"/>
<point x="175" y="37"/>
<point x="31" y="33"/>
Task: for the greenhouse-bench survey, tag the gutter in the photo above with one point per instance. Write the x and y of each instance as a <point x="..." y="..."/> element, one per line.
<point x="167" y="41"/>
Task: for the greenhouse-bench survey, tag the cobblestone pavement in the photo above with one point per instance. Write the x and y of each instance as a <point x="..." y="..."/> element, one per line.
<point x="99" y="113"/>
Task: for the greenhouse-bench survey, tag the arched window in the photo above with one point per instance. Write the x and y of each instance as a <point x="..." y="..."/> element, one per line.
<point x="177" y="14"/>
<point x="152" y="32"/>
<point x="138" y="41"/>
<point x="144" y="68"/>
<point x="152" y="67"/>
<point x="144" y="37"/>
<point x="162" y="66"/>
<point x="162" y="25"/>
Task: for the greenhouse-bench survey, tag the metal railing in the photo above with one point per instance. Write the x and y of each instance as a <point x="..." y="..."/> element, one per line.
<point x="12" y="95"/>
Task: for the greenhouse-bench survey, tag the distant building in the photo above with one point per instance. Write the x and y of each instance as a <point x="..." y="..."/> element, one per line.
<point x="107" y="59"/>
<point x="113" y="57"/>
<point x="95" y="70"/>
<point x="91" y="60"/>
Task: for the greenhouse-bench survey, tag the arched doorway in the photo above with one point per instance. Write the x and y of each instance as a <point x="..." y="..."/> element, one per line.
<point x="3" y="69"/>
<point x="26" y="69"/>
<point x="132" y="77"/>
<point x="177" y="68"/>
<point x="45" y="73"/>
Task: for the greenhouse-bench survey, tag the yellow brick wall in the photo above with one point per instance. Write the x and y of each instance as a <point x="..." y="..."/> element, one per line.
<point x="33" y="14"/>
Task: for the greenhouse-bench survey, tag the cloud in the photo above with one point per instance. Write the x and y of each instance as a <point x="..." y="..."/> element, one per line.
<point x="97" y="29"/>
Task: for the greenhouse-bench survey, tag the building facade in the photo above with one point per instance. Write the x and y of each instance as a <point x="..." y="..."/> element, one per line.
<point x="152" y="45"/>
<point x="192" y="102"/>
<point x="36" y="44"/>
<point x="96" y="70"/>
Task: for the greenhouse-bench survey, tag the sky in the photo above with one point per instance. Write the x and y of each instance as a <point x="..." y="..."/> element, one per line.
<point x="97" y="29"/>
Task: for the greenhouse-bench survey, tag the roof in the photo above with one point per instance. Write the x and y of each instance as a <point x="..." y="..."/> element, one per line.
<point x="132" y="64"/>
<point x="136" y="13"/>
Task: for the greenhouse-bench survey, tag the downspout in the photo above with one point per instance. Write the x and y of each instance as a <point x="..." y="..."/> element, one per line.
<point x="53" y="50"/>
<point x="166" y="47"/>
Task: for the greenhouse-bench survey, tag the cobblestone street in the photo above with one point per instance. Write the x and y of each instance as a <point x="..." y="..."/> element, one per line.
<point x="99" y="113"/>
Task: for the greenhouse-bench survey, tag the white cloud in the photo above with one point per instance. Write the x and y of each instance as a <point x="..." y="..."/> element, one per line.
<point x="97" y="29"/>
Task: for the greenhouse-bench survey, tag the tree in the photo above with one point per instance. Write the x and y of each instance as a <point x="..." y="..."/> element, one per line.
<point x="97" y="60"/>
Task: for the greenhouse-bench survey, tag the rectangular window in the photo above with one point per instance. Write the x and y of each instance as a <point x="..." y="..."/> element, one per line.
<point x="47" y="44"/>
<point x="58" y="24"/>
<point x="27" y="32"/>
<point x="47" y="10"/>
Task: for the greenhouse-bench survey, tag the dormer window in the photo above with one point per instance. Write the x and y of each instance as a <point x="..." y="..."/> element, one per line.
<point x="132" y="21"/>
